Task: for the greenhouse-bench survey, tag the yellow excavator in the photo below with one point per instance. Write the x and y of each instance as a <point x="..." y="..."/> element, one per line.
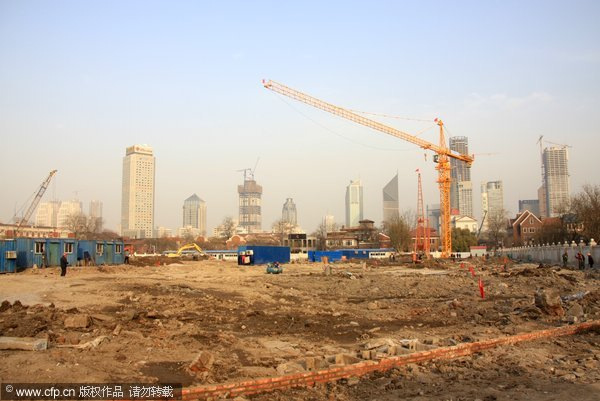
<point x="186" y="247"/>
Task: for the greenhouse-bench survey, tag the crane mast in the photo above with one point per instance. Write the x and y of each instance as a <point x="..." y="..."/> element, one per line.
<point x="35" y="201"/>
<point x="422" y="237"/>
<point x="442" y="152"/>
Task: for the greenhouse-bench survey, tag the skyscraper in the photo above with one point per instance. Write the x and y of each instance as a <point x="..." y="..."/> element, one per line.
<point x="250" y="205"/>
<point x="95" y="212"/>
<point x="492" y="200"/>
<point x="391" y="206"/>
<point x="47" y="214"/>
<point x="137" y="202"/>
<point x="461" y="189"/>
<point x="354" y="203"/>
<point x="533" y="205"/>
<point x="194" y="213"/>
<point x="288" y="213"/>
<point x="556" y="179"/>
<point x="66" y="210"/>
<point x="329" y="222"/>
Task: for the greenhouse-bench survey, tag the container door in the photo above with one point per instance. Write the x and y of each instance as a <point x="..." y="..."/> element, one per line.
<point x="54" y="254"/>
<point x="110" y="253"/>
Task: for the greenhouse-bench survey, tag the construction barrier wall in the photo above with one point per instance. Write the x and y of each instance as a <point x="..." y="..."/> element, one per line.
<point x="552" y="254"/>
<point x="332" y="256"/>
<point x="267" y="254"/>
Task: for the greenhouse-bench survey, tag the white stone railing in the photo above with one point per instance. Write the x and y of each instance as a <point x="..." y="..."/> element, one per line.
<point x="552" y="253"/>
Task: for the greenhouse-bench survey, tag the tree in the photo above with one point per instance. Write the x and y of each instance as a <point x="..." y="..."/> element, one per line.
<point x="228" y="227"/>
<point x="586" y="207"/>
<point x="497" y="222"/>
<point x="82" y="226"/>
<point x="321" y="235"/>
<point x="463" y="239"/>
<point x="398" y="229"/>
<point x="282" y="228"/>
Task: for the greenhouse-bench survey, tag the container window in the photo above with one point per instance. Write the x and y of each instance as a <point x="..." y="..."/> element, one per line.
<point x="39" y="247"/>
<point x="68" y="247"/>
<point x="117" y="248"/>
<point x="99" y="249"/>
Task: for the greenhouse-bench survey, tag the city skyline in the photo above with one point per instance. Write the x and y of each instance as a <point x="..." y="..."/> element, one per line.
<point x="75" y="94"/>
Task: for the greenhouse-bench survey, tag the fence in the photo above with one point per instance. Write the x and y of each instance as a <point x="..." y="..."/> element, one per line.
<point x="552" y="253"/>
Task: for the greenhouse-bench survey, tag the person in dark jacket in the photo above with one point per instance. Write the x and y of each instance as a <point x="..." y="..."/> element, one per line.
<point x="63" y="264"/>
<point x="590" y="261"/>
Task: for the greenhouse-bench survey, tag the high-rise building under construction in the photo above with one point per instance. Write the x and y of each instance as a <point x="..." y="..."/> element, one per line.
<point x="250" y="205"/>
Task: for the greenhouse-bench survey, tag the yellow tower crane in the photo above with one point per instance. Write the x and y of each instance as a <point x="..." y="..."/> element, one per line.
<point x="441" y="158"/>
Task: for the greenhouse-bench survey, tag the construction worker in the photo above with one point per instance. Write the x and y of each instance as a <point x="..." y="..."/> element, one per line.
<point x="63" y="264"/>
<point x="565" y="258"/>
<point x="590" y="260"/>
<point x="581" y="260"/>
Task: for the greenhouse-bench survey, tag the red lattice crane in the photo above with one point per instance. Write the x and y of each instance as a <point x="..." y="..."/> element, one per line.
<point x="422" y="236"/>
<point x="442" y="156"/>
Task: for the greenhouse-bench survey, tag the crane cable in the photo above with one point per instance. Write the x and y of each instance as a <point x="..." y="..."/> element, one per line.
<point x="340" y="135"/>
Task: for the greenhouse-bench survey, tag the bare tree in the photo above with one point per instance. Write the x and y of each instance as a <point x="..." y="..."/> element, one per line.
<point x="282" y="228"/>
<point x="586" y="207"/>
<point x="228" y="226"/>
<point x="82" y="226"/>
<point x="497" y="223"/>
<point x="398" y="229"/>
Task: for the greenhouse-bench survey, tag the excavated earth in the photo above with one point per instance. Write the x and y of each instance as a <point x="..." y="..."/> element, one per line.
<point x="148" y="323"/>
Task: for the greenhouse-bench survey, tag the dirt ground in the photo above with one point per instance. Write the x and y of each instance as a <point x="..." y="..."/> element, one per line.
<point x="150" y="322"/>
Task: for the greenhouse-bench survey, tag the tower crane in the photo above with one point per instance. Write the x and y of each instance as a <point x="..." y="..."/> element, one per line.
<point x="442" y="152"/>
<point x="35" y="202"/>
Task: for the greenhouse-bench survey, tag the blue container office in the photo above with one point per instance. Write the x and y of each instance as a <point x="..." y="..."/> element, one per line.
<point x="48" y="251"/>
<point x="8" y="259"/>
<point x="266" y="254"/>
<point x="332" y="256"/>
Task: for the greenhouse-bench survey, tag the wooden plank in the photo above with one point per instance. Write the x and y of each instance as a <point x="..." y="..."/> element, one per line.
<point x="23" y="343"/>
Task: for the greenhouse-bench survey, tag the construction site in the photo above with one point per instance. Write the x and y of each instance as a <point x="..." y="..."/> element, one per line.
<point x="353" y="330"/>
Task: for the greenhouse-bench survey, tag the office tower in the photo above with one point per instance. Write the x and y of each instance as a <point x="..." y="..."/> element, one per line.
<point x="556" y="179"/>
<point x="66" y="210"/>
<point x="492" y="200"/>
<point x="137" y="202"/>
<point x="465" y="198"/>
<point x="391" y="206"/>
<point x="461" y="189"/>
<point x="434" y="215"/>
<point x="329" y="222"/>
<point x="194" y="213"/>
<point x="533" y="205"/>
<point x="95" y="210"/>
<point x="354" y="203"/>
<point x="288" y="213"/>
<point x="47" y="214"/>
<point x="250" y="205"/>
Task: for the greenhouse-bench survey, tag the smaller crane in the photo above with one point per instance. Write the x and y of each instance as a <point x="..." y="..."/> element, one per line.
<point x="35" y="202"/>
<point x="249" y="172"/>
<point x="422" y="237"/>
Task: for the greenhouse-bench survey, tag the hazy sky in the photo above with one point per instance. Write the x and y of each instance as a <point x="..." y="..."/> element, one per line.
<point x="82" y="80"/>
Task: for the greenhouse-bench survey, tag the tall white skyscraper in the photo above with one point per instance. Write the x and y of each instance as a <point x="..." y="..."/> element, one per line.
<point x="354" y="203"/>
<point x="288" y="212"/>
<point x="194" y="213"/>
<point x="556" y="179"/>
<point x="329" y="222"/>
<point x="492" y="200"/>
<point x="137" y="203"/>
<point x="47" y="214"/>
<point x="391" y="206"/>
